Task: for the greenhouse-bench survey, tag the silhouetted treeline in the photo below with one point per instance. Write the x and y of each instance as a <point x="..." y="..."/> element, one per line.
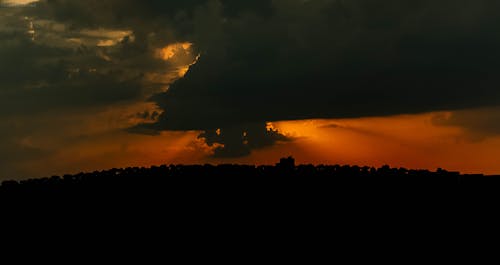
<point x="236" y="178"/>
<point x="246" y="207"/>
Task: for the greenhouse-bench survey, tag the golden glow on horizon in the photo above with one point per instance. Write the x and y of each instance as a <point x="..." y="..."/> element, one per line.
<point x="411" y="141"/>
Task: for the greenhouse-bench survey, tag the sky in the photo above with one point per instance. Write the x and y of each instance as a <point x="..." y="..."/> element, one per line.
<point x="92" y="85"/>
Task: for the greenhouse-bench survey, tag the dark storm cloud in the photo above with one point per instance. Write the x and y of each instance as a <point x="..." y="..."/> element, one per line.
<point x="49" y="62"/>
<point x="38" y="78"/>
<point x="58" y="79"/>
<point x="143" y="16"/>
<point x="272" y="60"/>
<point x="336" y="59"/>
<point x="156" y="22"/>
<point x="59" y="64"/>
<point x="241" y="139"/>
<point x="324" y="59"/>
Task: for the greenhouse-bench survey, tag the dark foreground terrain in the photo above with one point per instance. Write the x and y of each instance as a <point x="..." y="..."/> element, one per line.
<point x="235" y="180"/>
<point x="237" y="203"/>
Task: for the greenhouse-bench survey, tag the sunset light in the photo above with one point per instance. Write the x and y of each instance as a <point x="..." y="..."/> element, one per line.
<point x="95" y="85"/>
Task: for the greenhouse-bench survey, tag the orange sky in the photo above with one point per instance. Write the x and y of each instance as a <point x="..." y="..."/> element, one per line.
<point x="87" y="82"/>
<point x="411" y="141"/>
<point x="95" y="141"/>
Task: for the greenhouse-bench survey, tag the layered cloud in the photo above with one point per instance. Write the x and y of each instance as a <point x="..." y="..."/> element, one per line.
<point x="60" y="82"/>
<point x="336" y="59"/>
<point x="250" y="62"/>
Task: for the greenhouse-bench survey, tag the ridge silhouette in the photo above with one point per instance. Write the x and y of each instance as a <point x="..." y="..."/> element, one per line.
<point x="207" y="179"/>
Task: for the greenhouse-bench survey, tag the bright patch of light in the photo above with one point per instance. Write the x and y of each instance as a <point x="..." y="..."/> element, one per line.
<point x="32" y="31"/>
<point x="270" y="126"/>
<point x="183" y="70"/>
<point x="106" y="43"/>
<point x="17" y="2"/>
<point x="168" y="52"/>
<point x="107" y="37"/>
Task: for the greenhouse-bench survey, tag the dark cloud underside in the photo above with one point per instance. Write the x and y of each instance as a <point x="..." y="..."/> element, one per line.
<point x="337" y="59"/>
<point x="333" y="59"/>
<point x="266" y="60"/>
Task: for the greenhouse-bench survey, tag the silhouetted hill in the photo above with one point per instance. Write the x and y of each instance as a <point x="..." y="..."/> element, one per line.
<point x="210" y="180"/>
<point x="246" y="203"/>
